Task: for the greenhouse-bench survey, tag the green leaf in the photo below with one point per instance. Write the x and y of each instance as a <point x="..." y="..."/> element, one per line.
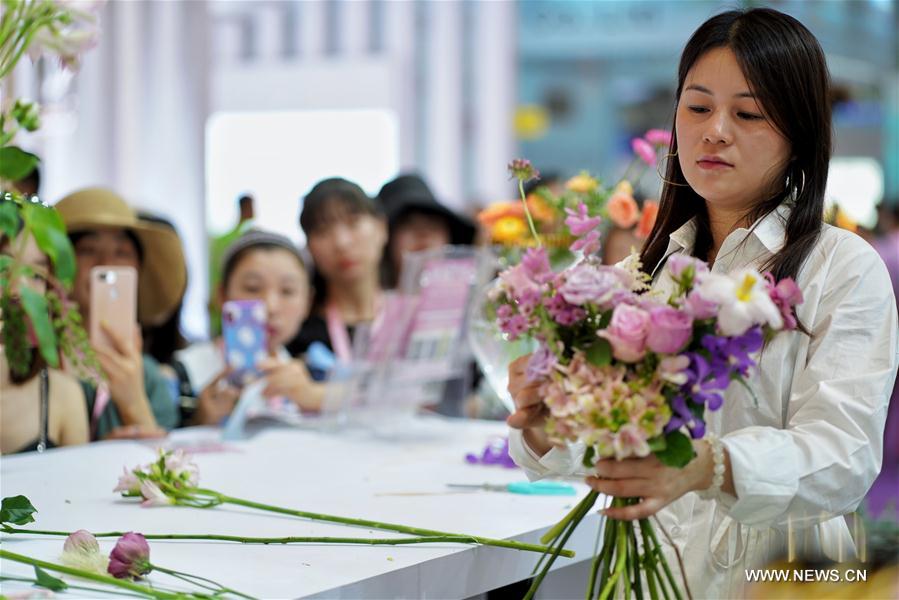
<point x="605" y="319"/>
<point x="38" y="312"/>
<point x="15" y="163"/>
<point x="589" y="457"/>
<point x="49" y="232"/>
<point x="600" y="353"/>
<point x="45" y="580"/>
<point x="678" y="450"/>
<point x="17" y="510"/>
<point x="657" y="444"/>
<point x="10" y="222"/>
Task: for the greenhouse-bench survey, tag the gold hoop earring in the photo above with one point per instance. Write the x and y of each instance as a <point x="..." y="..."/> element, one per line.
<point x="662" y="177"/>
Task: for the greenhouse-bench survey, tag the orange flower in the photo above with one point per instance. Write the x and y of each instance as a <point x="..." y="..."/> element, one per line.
<point x="499" y="210"/>
<point x="540" y="210"/>
<point x="623" y="210"/>
<point x="647" y="219"/>
<point x="509" y="230"/>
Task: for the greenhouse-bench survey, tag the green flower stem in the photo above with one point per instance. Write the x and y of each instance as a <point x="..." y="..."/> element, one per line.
<point x="598" y="558"/>
<point x="620" y="560"/>
<point x="69" y="586"/>
<point x="627" y="170"/>
<point x="668" y="574"/>
<point x="527" y="212"/>
<point x="430" y="539"/>
<point x="120" y="583"/>
<point x="196" y="579"/>
<point x="649" y="564"/>
<point x="634" y="560"/>
<point x="557" y="529"/>
<point x="535" y="585"/>
<point x="417" y="531"/>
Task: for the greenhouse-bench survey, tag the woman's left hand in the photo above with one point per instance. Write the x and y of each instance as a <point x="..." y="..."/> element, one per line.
<point x="654" y="483"/>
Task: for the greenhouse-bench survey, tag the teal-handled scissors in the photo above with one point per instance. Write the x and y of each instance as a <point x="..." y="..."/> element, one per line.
<point x="532" y="488"/>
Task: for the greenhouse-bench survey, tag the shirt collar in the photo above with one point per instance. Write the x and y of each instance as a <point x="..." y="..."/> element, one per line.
<point x="770" y="231"/>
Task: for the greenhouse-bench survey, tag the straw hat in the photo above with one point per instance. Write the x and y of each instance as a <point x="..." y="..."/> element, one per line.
<point x="162" y="278"/>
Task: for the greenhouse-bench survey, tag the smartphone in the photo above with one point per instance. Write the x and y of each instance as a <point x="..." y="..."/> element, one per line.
<point x="246" y="341"/>
<point x="113" y="303"/>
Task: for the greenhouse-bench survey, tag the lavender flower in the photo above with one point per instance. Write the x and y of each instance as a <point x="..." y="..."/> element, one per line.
<point x="541" y="363"/>
<point x="580" y="222"/>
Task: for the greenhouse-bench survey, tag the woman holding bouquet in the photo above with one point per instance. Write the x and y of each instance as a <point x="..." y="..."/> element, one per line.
<point x="744" y="187"/>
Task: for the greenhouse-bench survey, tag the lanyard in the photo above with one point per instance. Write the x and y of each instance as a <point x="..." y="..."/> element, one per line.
<point x="340" y="339"/>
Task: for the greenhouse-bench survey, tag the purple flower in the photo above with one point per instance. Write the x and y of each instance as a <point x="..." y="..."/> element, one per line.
<point x="588" y="244"/>
<point x="130" y="559"/>
<point x="644" y="150"/>
<point x="580" y="222"/>
<point x="517" y="280"/>
<point x="587" y="283"/>
<point x="541" y="363"/>
<point x="658" y="137"/>
<point x="528" y="301"/>
<point x="514" y="327"/>
<point x="562" y="312"/>
<point x="706" y="381"/>
<point x="670" y="329"/>
<point x="683" y="416"/>
<point x="734" y="353"/>
<point x="627" y="332"/>
<point x="536" y="264"/>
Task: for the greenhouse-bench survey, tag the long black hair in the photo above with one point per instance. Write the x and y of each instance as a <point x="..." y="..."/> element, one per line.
<point x="786" y="69"/>
<point x="330" y="201"/>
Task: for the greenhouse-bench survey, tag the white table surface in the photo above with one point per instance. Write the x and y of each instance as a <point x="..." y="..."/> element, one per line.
<point x="345" y="473"/>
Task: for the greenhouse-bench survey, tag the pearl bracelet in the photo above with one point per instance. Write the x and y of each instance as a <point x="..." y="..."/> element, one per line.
<point x="717" y="448"/>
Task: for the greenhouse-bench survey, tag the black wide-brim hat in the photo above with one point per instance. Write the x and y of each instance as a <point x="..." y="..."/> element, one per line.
<point x="409" y="193"/>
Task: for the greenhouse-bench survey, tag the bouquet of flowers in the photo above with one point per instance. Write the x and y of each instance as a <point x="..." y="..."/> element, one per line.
<point x="629" y="372"/>
<point x="514" y="225"/>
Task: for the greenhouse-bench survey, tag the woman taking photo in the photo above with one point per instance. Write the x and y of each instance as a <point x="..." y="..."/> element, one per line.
<point x="744" y="187"/>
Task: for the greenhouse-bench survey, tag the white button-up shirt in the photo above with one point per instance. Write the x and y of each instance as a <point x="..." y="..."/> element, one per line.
<point x="808" y="451"/>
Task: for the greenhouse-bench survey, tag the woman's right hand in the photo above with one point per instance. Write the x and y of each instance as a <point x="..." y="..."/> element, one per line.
<point x="530" y="412"/>
<point x="216" y="401"/>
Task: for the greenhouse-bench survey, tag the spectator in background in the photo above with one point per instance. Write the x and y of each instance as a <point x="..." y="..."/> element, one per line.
<point x="346" y="233"/>
<point x="416" y="221"/>
<point x="268" y="267"/>
<point x="105" y="231"/>
<point x="43" y="408"/>
<point x="217" y="247"/>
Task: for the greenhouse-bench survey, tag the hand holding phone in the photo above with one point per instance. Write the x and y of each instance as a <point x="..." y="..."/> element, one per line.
<point x="113" y="305"/>
<point x="246" y="341"/>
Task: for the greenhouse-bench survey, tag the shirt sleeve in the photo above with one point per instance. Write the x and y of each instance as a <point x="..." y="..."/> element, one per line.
<point x="823" y="462"/>
<point x="558" y="461"/>
<point x="159" y="395"/>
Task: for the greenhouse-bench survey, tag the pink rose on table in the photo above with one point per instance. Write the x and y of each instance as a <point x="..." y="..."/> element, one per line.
<point x="627" y="332"/>
<point x="669" y="329"/>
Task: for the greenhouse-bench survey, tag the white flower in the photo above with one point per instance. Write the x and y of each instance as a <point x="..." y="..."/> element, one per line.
<point x="81" y="551"/>
<point x="182" y="467"/>
<point x="128" y="483"/>
<point x="743" y="301"/>
<point x="152" y="495"/>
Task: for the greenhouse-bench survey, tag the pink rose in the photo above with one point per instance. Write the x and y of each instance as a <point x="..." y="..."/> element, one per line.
<point x="658" y="137"/>
<point x="623" y="210"/>
<point x="670" y="329"/>
<point x="627" y="332"/>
